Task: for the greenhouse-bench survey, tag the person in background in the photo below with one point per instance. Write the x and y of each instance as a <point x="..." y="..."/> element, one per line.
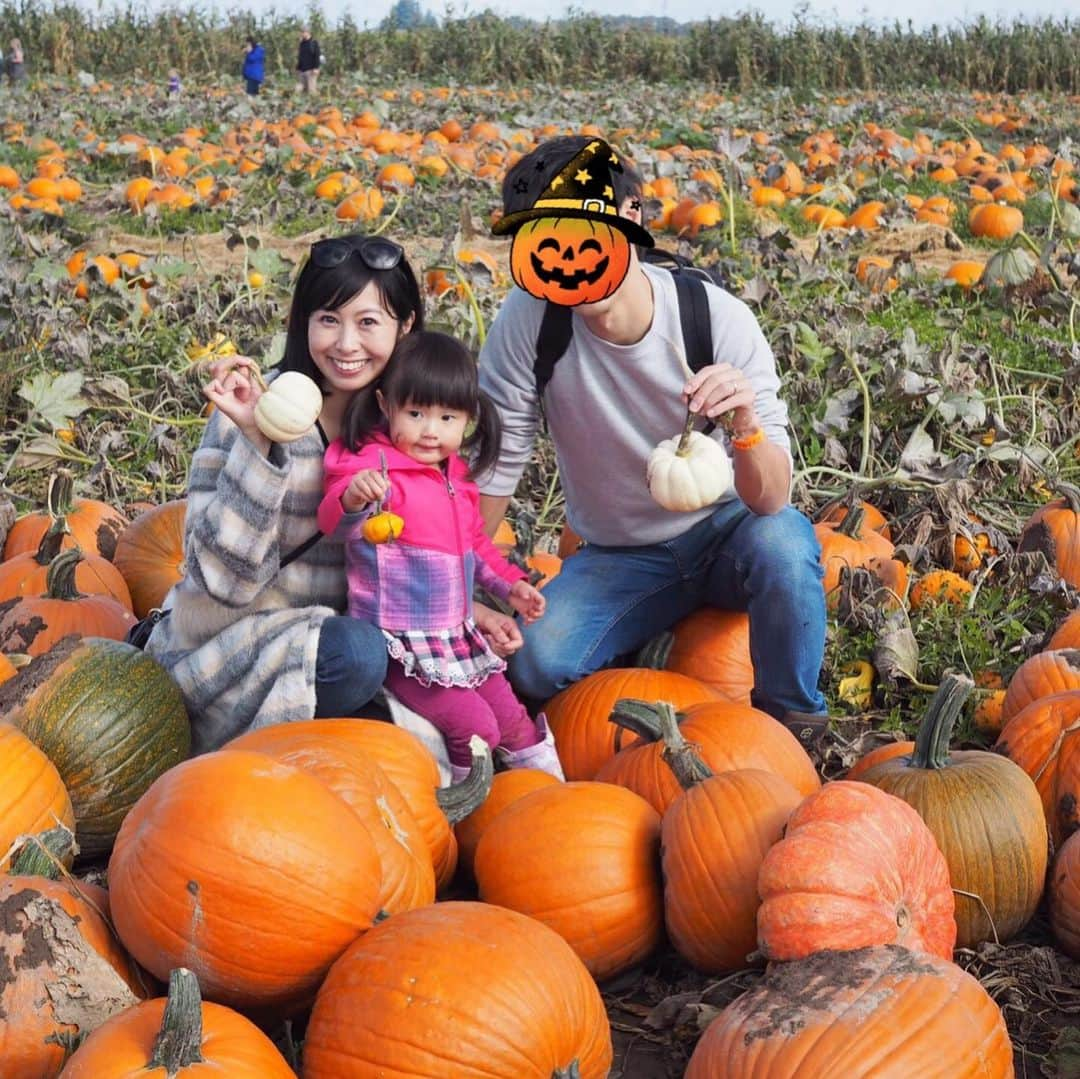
<point x="16" y="62"/>
<point x="308" y="61"/>
<point x="174" y="83"/>
<point x="254" y="70"/>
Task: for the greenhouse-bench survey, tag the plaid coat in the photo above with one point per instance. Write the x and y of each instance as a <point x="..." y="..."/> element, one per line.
<point x="243" y="633"/>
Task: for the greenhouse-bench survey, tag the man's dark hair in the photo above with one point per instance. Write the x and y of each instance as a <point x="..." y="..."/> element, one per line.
<point x="548" y="159"/>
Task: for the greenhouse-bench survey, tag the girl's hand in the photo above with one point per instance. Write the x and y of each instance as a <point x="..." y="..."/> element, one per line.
<point x="719" y="389"/>
<point x="234" y="390"/>
<point x="500" y="629"/>
<point x="527" y="601"/>
<point x="367" y="486"/>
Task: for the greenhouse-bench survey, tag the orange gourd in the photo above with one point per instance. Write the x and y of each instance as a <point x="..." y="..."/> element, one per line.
<point x="150" y="554"/>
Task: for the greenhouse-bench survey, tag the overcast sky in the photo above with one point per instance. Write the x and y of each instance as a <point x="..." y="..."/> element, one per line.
<point x="922" y="13"/>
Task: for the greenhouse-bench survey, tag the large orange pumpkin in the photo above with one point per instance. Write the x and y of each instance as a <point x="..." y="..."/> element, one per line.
<point x="985" y="814"/>
<point x="712" y="646"/>
<point x="94" y="526"/>
<point x="409" y="765"/>
<point x="578" y="715"/>
<point x="260" y="875"/>
<point x="582" y="859"/>
<point x="150" y="554"/>
<point x="178" y="1036"/>
<point x="1067" y="635"/>
<point x="884" y="1012"/>
<point x="408" y="879"/>
<point x="1041" y="739"/>
<point x="856" y="867"/>
<point x="1064" y="895"/>
<point x="506" y="788"/>
<point x="1042" y="675"/>
<point x="569" y="260"/>
<point x="725" y="735"/>
<point x="713" y="839"/>
<point x="458" y="989"/>
<point x="33" y="624"/>
<point x="27" y="574"/>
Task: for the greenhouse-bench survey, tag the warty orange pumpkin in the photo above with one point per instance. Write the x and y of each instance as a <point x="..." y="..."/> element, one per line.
<point x="856" y="867"/>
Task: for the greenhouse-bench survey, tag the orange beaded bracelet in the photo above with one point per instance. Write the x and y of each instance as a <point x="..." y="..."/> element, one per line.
<point x="747" y="442"/>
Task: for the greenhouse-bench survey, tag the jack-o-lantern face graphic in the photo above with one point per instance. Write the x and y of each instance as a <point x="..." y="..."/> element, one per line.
<point x="569" y="260"/>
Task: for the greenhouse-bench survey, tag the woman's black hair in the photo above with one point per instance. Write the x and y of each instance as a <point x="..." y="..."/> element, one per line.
<point x="327" y="289"/>
<point x="429" y="368"/>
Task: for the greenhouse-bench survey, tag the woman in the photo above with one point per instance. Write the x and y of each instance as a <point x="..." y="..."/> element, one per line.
<point x="254" y="70"/>
<point x="254" y="636"/>
<point x="16" y="64"/>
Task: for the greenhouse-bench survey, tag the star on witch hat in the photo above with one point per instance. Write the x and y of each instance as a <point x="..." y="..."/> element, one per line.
<point x="583" y="188"/>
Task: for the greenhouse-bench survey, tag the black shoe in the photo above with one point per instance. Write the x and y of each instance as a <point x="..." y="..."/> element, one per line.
<point x="807" y="727"/>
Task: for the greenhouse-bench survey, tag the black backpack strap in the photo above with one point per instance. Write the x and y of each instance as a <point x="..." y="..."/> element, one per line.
<point x="696" y="323"/>
<point x="552" y="340"/>
<point x="296" y="552"/>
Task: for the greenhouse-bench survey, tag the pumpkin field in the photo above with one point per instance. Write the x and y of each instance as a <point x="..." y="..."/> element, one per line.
<point x="708" y="898"/>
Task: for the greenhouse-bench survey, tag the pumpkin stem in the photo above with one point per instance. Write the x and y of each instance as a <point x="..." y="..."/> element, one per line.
<point x="179" y="1041"/>
<point x="935" y="731"/>
<point x="852" y="523"/>
<point x="1071" y="493"/>
<point x="44" y="855"/>
<point x="58" y="495"/>
<point x="640" y="717"/>
<point x="60" y="581"/>
<point x="683" y="448"/>
<point x="655" y="654"/>
<point x="52" y="541"/>
<point x="460" y="799"/>
<point x="571" y="1071"/>
<point x="679" y="755"/>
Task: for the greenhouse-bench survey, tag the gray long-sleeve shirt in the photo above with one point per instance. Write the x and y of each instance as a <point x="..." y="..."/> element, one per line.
<point x="609" y="405"/>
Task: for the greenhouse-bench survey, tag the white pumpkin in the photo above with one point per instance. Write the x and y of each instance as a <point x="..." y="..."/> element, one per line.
<point x="689" y="471"/>
<point x="288" y="407"/>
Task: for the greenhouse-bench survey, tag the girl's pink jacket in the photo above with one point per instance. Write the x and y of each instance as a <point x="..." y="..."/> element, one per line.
<point x="424" y="579"/>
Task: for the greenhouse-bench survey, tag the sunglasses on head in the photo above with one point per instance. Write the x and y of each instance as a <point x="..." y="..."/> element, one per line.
<point x="375" y="252"/>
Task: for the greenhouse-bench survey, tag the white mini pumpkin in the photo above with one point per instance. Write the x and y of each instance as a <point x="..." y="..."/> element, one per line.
<point x="689" y="471"/>
<point x="288" y="407"/>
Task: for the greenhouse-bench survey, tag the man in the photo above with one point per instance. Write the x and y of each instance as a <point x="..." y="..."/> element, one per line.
<point x="307" y="62"/>
<point x="621" y="387"/>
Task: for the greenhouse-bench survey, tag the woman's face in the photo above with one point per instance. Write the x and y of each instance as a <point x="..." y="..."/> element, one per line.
<point x="352" y="344"/>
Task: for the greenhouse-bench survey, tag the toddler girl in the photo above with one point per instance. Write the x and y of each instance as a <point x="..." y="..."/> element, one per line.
<point x="417" y="588"/>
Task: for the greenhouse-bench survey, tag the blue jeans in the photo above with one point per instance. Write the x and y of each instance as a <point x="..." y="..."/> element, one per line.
<point x="349" y="667"/>
<point x="609" y="601"/>
<point x="252" y="86"/>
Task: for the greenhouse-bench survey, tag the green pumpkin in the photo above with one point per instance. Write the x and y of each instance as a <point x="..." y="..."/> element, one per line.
<point x="109" y="717"/>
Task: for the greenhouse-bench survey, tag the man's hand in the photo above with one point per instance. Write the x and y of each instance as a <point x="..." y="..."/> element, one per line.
<point x="719" y="389"/>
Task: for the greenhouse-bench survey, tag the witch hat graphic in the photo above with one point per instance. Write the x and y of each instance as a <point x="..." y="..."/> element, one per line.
<point x="583" y="188"/>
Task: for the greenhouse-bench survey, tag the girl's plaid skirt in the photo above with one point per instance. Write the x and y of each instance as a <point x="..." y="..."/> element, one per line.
<point x="460" y="656"/>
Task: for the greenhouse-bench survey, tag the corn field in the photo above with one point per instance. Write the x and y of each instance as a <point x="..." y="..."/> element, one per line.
<point x="741" y="53"/>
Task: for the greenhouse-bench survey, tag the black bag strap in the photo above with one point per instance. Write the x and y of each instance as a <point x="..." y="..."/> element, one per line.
<point x="301" y="549"/>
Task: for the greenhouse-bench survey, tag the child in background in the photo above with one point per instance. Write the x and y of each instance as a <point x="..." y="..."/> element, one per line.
<point x="418" y="587"/>
<point x="174" y="82"/>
